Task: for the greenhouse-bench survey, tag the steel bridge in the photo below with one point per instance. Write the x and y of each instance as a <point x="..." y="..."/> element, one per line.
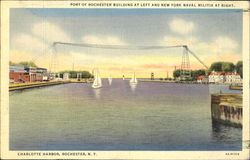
<point x="185" y="64"/>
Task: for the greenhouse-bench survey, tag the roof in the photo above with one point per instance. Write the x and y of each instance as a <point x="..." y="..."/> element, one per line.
<point x="200" y="77"/>
<point x="17" y="69"/>
<point x="222" y="73"/>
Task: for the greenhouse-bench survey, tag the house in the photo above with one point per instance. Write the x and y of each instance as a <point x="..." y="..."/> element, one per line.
<point x="233" y="77"/>
<point x="18" y="74"/>
<point x="37" y="74"/>
<point x="216" y="77"/>
<point x="65" y="76"/>
<point x="202" y="79"/>
<point x="224" y="77"/>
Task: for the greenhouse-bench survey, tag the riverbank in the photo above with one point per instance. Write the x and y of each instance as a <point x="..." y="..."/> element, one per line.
<point x="227" y="109"/>
<point x="161" y="81"/>
<point x="235" y="87"/>
<point x="21" y="86"/>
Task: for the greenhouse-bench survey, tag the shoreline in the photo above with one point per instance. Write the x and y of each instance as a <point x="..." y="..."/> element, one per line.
<point x="21" y="86"/>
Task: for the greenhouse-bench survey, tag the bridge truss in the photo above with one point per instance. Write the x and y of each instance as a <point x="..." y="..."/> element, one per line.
<point x="185" y="73"/>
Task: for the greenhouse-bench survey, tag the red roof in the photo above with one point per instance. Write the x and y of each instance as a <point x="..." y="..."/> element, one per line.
<point x="200" y="77"/>
<point x="220" y="73"/>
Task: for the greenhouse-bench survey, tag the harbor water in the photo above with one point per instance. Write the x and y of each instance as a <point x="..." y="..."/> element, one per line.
<point x="120" y="116"/>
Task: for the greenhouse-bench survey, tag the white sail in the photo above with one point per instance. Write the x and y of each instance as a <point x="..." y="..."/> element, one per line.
<point x="133" y="79"/>
<point x="97" y="80"/>
<point x="110" y="80"/>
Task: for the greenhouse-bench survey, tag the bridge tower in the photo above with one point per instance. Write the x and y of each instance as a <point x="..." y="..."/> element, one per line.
<point x="185" y="73"/>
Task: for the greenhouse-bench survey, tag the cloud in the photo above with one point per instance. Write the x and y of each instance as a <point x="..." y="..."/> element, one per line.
<point x="224" y="43"/>
<point x="49" y="32"/>
<point x="104" y="40"/>
<point x="220" y="48"/>
<point x="176" y="40"/>
<point x="181" y="26"/>
<point x="27" y="43"/>
<point x="38" y="40"/>
<point x="217" y="45"/>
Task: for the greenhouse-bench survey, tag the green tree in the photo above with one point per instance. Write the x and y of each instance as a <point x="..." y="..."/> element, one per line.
<point x="12" y="63"/>
<point x="73" y="74"/>
<point x="216" y="66"/>
<point x="239" y="68"/>
<point x="25" y="63"/>
<point x="227" y="67"/>
<point x="177" y="73"/>
<point x="196" y="73"/>
<point x="222" y="66"/>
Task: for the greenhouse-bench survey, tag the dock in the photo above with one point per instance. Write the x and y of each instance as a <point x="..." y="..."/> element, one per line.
<point x="227" y="109"/>
<point x="21" y="86"/>
<point x="235" y="87"/>
<point x="160" y="81"/>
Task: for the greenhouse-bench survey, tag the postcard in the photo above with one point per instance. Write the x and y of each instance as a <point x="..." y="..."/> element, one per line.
<point x="125" y="80"/>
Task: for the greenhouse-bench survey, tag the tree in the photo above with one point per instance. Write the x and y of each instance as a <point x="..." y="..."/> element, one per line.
<point x="227" y="67"/>
<point x="25" y="63"/>
<point x="216" y="66"/>
<point x="239" y="68"/>
<point x="222" y="66"/>
<point x="196" y="73"/>
<point x="177" y="73"/>
<point x="73" y="74"/>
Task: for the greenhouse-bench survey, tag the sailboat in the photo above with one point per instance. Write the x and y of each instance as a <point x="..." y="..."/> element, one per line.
<point x="110" y="80"/>
<point x="97" y="80"/>
<point x="133" y="79"/>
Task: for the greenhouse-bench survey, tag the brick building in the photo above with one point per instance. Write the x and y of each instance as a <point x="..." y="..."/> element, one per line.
<point x="22" y="74"/>
<point x="18" y="74"/>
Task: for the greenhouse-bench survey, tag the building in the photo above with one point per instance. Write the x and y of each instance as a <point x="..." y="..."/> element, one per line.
<point x="37" y="74"/>
<point x="22" y="74"/>
<point x="202" y="79"/>
<point x="224" y="77"/>
<point x="65" y="76"/>
<point x="216" y="77"/>
<point x="18" y="74"/>
<point x="233" y="77"/>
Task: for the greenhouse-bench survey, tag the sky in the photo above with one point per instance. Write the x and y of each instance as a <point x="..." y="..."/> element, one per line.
<point x="213" y="35"/>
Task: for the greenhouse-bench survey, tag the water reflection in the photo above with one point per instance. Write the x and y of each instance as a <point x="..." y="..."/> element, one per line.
<point x="133" y="86"/>
<point x="220" y="132"/>
<point x="97" y="93"/>
<point x="110" y="80"/>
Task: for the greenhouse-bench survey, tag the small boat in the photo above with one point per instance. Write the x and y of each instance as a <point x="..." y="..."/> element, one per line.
<point x="133" y="79"/>
<point x="97" y="80"/>
<point x="110" y="80"/>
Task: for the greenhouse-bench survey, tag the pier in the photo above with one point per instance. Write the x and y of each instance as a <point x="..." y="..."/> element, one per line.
<point x="227" y="109"/>
<point x="235" y="87"/>
<point x="21" y="86"/>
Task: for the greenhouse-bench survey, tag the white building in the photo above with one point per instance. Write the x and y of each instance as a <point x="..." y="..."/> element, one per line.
<point x="202" y="79"/>
<point x="216" y="77"/>
<point x="65" y="76"/>
<point x="233" y="77"/>
<point x="224" y="77"/>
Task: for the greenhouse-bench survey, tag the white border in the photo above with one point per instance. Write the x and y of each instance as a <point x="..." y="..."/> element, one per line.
<point x="6" y="154"/>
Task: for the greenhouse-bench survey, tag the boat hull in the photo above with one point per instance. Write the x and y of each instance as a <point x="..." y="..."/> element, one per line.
<point x="96" y="86"/>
